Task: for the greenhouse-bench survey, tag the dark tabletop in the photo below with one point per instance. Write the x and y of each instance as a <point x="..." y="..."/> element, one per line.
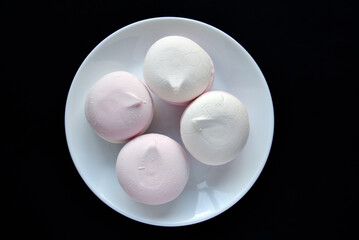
<point x="307" y="53"/>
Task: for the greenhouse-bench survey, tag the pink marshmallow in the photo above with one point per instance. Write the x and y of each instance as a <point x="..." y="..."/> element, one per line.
<point x="153" y="169"/>
<point x="119" y="107"/>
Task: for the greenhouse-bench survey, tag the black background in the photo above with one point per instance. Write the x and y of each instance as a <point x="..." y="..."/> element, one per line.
<point x="308" y="55"/>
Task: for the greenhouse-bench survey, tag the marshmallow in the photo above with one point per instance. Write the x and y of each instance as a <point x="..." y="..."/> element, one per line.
<point x="177" y="69"/>
<point x="153" y="169"/>
<point x="215" y="128"/>
<point x="119" y="107"/>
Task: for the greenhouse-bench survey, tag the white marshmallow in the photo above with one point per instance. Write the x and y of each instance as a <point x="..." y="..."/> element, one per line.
<point x="215" y="128"/>
<point x="177" y="69"/>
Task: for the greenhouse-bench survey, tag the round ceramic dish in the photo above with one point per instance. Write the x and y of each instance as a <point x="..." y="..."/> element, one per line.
<point x="210" y="189"/>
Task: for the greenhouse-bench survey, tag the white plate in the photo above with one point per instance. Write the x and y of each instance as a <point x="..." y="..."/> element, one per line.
<point x="210" y="189"/>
